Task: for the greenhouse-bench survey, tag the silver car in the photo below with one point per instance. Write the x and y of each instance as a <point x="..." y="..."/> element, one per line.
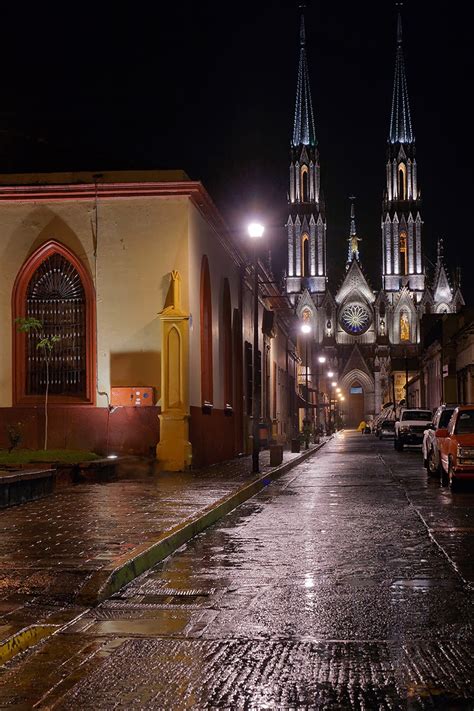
<point x="432" y="437"/>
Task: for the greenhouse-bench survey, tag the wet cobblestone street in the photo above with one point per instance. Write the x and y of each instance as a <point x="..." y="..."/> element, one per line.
<point x="347" y="584"/>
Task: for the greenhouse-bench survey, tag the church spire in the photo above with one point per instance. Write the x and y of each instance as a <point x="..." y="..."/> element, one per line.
<point x="307" y="215"/>
<point x="400" y="122"/>
<point x="353" y="250"/>
<point x="303" y="128"/>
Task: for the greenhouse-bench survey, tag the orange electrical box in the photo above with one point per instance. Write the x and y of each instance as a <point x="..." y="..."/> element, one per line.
<point x="132" y="396"/>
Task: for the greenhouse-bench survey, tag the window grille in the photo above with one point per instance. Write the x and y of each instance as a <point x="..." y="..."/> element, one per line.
<point x="56" y="298"/>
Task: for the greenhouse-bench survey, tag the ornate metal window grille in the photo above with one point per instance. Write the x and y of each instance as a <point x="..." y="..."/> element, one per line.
<point x="56" y="297"/>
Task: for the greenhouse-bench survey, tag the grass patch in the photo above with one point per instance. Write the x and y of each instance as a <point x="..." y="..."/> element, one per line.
<point x="27" y="456"/>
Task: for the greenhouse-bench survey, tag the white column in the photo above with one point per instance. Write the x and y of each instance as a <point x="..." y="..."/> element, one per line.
<point x="418" y="244"/>
<point x="298" y="249"/>
<point x="389" y="182"/>
<point x="411" y="250"/>
<point x="320" y="250"/>
<point x="292" y="183"/>
<point x="388" y="246"/>
<point x="312" y="247"/>
<point x="396" y="247"/>
<point x="291" y="250"/>
<point x="394" y="181"/>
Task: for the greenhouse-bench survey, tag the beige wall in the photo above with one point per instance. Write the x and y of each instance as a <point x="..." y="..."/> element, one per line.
<point x="203" y="240"/>
<point x="139" y="242"/>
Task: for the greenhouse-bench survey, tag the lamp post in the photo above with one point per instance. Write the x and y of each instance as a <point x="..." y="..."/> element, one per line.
<point x="329" y="375"/>
<point x="255" y="231"/>
<point x="321" y="361"/>
<point x="331" y="398"/>
<point x="306" y="329"/>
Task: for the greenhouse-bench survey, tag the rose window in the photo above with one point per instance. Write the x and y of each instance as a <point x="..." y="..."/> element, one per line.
<point x="355" y="319"/>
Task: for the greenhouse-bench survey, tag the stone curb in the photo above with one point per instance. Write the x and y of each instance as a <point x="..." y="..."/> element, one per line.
<point x="110" y="579"/>
<point x="23" y="639"/>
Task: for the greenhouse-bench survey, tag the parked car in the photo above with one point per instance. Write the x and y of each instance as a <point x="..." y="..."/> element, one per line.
<point x="385" y="428"/>
<point x="433" y="436"/>
<point x="409" y="428"/>
<point x="457" y="447"/>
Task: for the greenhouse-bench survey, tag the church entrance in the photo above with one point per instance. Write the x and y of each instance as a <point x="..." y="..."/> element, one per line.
<point x="355" y="406"/>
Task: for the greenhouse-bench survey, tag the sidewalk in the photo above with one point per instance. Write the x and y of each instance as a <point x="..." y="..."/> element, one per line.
<point x="61" y="554"/>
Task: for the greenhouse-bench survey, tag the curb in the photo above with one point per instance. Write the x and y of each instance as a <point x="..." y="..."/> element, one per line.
<point x="23" y="639"/>
<point x="110" y="579"/>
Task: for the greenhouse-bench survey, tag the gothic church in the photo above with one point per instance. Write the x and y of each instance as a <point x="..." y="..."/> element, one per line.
<point x="370" y="339"/>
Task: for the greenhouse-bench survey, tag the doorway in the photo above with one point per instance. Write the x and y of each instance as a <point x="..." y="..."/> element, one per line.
<point x="355" y="409"/>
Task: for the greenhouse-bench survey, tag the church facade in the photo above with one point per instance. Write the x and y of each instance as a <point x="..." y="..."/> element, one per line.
<point x="370" y="339"/>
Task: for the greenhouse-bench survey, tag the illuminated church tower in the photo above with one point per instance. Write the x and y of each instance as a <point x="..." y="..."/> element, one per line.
<point x="307" y="221"/>
<point x="401" y="218"/>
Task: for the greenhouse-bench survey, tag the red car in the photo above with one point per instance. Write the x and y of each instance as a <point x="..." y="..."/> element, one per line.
<point x="457" y="447"/>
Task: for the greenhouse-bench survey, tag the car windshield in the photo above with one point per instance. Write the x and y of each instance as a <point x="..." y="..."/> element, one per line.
<point x="444" y="418"/>
<point x="465" y="423"/>
<point x="416" y="415"/>
<point x="388" y="424"/>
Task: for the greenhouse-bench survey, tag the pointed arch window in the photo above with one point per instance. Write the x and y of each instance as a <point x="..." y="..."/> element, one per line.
<point x="305" y="268"/>
<point x="404" y="326"/>
<point x="403" y="253"/>
<point x="54" y="287"/>
<point x="206" y="335"/>
<point x="402" y="181"/>
<point x="304" y="183"/>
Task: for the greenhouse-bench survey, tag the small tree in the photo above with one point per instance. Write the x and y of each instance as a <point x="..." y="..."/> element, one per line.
<point x="45" y="345"/>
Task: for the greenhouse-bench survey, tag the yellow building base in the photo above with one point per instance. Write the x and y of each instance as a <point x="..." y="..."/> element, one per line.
<point x="174" y="451"/>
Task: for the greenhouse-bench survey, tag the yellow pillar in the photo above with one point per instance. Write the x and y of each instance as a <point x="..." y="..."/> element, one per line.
<point x="174" y="449"/>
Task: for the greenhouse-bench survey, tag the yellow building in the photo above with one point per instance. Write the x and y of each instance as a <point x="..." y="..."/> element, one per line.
<point x="151" y="300"/>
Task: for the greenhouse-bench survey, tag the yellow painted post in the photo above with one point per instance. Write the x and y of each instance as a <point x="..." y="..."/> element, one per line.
<point x="174" y="451"/>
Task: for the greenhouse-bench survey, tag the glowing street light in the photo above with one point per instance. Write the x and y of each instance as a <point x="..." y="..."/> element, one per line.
<point x="305" y="328"/>
<point x="321" y="359"/>
<point x="330" y="374"/>
<point x="255" y="230"/>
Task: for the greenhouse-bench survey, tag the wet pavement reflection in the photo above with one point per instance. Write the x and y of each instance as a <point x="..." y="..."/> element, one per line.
<point x="346" y="584"/>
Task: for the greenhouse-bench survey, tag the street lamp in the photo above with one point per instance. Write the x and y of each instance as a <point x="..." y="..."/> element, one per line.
<point x="306" y="329"/>
<point x="255" y="231"/>
<point x="330" y="374"/>
<point x="332" y="420"/>
<point x="321" y="361"/>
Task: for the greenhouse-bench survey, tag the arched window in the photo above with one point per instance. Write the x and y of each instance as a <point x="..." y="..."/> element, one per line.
<point x="402" y="181"/>
<point x="404" y="326"/>
<point x="54" y="288"/>
<point x="304" y="184"/>
<point x="403" y="253"/>
<point x="305" y="270"/>
<point x="206" y="335"/>
<point x="227" y="351"/>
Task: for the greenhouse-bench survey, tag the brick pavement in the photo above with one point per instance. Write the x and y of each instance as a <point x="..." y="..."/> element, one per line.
<point x="50" y="547"/>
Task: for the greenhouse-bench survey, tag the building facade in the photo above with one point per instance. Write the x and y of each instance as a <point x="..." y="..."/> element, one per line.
<point x="371" y="339"/>
<point x="151" y="303"/>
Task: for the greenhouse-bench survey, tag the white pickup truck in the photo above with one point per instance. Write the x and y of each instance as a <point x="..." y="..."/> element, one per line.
<point x="409" y="427"/>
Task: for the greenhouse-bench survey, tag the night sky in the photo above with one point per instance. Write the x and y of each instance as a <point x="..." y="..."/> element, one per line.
<point x="210" y="88"/>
